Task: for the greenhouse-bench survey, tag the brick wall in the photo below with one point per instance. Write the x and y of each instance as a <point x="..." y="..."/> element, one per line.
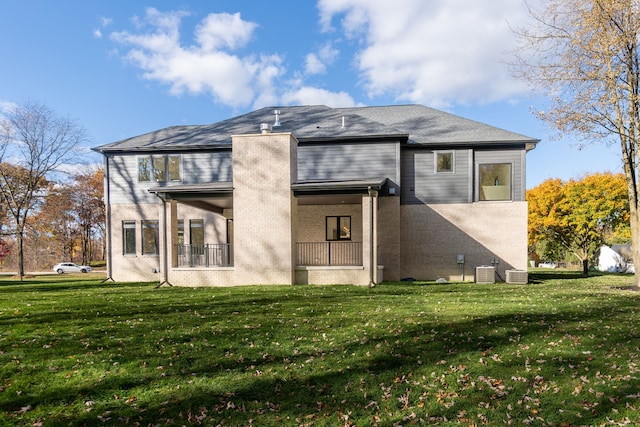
<point x="432" y="236"/>
<point x="264" y="209"/>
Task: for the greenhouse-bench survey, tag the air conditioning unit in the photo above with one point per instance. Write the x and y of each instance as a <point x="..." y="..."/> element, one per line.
<point x="517" y="276"/>
<point x="485" y="274"/>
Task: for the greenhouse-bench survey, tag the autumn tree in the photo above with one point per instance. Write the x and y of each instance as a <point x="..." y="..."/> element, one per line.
<point x="543" y="221"/>
<point x="583" y="55"/>
<point x="20" y="196"/>
<point x="5" y="247"/>
<point x="57" y="219"/>
<point x="578" y="215"/>
<point x="89" y="207"/>
<point x="37" y="143"/>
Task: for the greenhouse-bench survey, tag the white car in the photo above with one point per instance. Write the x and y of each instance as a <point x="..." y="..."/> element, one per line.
<point x="69" y="267"/>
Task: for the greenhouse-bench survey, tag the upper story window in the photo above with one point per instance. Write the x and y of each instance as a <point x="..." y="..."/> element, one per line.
<point x="338" y="228"/>
<point x="160" y="168"/>
<point x="444" y="161"/>
<point x="495" y="181"/>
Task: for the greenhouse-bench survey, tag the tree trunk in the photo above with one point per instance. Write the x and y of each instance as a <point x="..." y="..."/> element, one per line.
<point x="85" y="246"/>
<point x="20" y="239"/>
<point x="585" y="266"/>
<point x="635" y="244"/>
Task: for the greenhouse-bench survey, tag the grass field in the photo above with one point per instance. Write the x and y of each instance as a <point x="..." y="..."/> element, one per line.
<point x="561" y="351"/>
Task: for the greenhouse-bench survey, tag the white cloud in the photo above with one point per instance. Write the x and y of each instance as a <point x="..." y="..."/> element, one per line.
<point x="316" y="63"/>
<point x="206" y="67"/>
<point x="210" y="65"/>
<point x="436" y="52"/>
<point x="306" y="95"/>
<point x="220" y="30"/>
<point x="313" y="65"/>
<point x="104" y="22"/>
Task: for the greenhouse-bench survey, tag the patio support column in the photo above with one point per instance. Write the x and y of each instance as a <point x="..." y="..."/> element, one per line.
<point x="173" y="233"/>
<point x="369" y="236"/>
<point x="163" y="243"/>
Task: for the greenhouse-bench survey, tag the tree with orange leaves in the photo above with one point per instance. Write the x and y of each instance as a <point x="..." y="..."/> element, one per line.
<point x="578" y="215"/>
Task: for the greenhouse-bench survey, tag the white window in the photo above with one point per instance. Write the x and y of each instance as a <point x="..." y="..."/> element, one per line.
<point x="444" y="161"/>
<point x="129" y="237"/>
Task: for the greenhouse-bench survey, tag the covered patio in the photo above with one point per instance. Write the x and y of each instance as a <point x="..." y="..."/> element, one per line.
<point x="334" y="229"/>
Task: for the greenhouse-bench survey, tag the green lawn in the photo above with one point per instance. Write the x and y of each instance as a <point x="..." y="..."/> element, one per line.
<point x="561" y="351"/>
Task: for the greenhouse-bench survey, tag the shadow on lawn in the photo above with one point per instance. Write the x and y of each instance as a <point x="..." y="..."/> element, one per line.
<point x="542" y="275"/>
<point x="364" y="376"/>
<point x="56" y="284"/>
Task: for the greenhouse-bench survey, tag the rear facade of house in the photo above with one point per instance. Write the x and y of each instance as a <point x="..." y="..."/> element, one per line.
<point x="317" y="195"/>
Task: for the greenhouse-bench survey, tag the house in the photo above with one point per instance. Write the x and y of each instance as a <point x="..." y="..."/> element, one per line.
<point x="312" y="194"/>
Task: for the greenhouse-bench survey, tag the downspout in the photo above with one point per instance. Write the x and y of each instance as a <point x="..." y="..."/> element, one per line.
<point x="108" y="218"/>
<point x="165" y="273"/>
<point x="372" y="194"/>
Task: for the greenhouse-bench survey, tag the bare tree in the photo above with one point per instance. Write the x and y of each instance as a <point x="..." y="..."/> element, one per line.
<point x="583" y="55"/>
<point x="34" y="142"/>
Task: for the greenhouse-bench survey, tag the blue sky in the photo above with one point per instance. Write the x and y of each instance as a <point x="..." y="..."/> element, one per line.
<point x="122" y="68"/>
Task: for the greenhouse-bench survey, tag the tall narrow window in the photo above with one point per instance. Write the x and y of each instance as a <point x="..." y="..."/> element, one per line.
<point x="173" y="168"/>
<point x="181" y="232"/>
<point x="144" y="168"/>
<point x="149" y="237"/>
<point x="444" y="161"/>
<point x="338" y="228"/>
<point x="159" y="169"/>
<point x="129" y="237"/>
<point x="196" y="232"/>
<point x="495" y="181"/>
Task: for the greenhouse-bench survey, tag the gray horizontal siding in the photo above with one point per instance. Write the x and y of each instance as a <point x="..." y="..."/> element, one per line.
<point x="422" y="184"/>
<point x="516" y="158"/>
<point x="348" y="161"/>
<point x="200" y="167"/>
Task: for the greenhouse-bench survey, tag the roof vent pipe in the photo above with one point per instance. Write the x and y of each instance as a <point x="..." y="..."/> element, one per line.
<point x="342" y="122"/>
<point x="277" y="113"/>
<point x="265" y="128"/>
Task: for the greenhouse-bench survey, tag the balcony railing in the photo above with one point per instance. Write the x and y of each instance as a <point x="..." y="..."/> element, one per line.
<point x="205" y="255"/>
<point x="329" y="253"/>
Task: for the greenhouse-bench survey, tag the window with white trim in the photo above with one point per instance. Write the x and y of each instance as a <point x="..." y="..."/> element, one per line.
<point x="181" y="231"/>
<point x="444" y="161"/>
<point x="129" y="237"/>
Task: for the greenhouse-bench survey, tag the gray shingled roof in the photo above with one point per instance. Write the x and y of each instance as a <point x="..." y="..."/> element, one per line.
<point x="416" y="124"/>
